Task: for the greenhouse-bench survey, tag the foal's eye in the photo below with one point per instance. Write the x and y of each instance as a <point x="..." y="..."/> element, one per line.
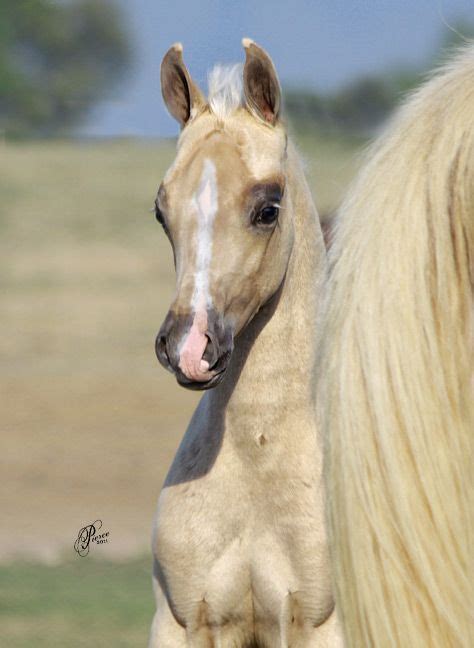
<point x="267" y="215"/>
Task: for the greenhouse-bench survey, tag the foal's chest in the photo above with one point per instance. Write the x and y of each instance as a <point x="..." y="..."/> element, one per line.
<point x="235" y="550"/>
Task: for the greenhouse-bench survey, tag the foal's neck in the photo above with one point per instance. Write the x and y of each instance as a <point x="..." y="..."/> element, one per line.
<point x="273" y="362"/>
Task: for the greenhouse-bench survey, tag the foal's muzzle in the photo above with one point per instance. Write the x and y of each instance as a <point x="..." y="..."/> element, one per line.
<point x="217" y="352"/>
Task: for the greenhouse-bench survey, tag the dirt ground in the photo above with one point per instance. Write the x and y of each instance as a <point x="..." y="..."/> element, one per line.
<point x="89" y="420"/>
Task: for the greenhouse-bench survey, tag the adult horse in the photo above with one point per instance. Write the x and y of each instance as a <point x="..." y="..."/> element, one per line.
<point x="397" y="378"/>
<point x="239" y="543"/>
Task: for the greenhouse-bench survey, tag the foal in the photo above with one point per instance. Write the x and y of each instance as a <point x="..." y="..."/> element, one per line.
<point x="240" y="552"/>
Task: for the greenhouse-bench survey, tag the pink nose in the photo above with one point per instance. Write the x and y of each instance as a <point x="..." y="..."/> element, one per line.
<point x="191" y="360"/>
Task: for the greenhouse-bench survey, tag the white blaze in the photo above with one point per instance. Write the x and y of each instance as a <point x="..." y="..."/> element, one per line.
<point x="204" y="205"/>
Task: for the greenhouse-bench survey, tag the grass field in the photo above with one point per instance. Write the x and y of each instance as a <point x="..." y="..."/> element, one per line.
<point x="78" y="604"/>
<point x="90" y="422"/>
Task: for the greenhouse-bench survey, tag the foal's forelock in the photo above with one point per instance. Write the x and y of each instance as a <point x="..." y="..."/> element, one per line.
<point x="226" y="94"/>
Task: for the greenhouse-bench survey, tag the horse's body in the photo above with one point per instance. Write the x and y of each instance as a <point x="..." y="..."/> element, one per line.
<point x="397" y="378"/>
<point x="240" y="546"/>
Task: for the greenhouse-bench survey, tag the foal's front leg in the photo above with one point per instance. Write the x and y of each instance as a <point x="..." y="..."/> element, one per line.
<point x="166" y="632"/>
<point x="327" y="635"/>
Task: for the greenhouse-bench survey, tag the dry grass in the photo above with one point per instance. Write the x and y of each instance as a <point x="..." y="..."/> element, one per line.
<point x="90" y="422"/>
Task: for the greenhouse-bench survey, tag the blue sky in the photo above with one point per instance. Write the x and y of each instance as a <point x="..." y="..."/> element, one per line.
<point x="320" y="44"/>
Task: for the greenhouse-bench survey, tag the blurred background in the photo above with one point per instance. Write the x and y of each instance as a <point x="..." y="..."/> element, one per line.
<point x="89" y="421"/>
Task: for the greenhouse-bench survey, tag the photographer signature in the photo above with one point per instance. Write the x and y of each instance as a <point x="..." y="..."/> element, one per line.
<point x="87" y="535"/>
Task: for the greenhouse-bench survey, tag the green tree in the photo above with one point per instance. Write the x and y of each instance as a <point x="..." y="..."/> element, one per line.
<point x="362" y="106"/>
<point x="56" y="62"/>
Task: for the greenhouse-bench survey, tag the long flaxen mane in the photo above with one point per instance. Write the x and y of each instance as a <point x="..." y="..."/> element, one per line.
<point x="397" y="378"/>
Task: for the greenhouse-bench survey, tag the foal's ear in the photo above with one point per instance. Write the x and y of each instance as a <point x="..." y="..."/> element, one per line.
<point x="261" y="86"/>
<point x="180" y="94"/>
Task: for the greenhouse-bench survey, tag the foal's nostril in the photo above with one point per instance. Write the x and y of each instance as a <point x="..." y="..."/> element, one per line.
<point x="211" y="353"/>
<point x="163" y="346"/>
<point x="161" y="351"/>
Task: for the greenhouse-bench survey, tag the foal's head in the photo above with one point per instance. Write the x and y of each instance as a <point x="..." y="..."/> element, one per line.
<point x="222" y="205"/>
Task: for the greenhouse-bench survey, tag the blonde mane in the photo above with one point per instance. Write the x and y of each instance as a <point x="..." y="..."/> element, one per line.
<point x="225" y="94"/>
<point x="396" y="382"/>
